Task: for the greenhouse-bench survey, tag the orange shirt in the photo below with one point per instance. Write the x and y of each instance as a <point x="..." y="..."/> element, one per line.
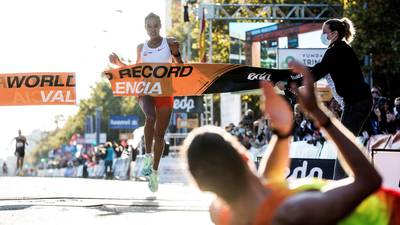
<point x="279" y="192"/>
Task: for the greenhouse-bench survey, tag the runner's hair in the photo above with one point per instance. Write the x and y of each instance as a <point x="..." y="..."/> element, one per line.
<point x="215" y="162"/>
<point x="152" y="16"/>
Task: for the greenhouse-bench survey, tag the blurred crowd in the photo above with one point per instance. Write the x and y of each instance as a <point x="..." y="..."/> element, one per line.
<point x="385" y="116"/>
<point x="254" y="132"/>
<point x="107" y="157"/>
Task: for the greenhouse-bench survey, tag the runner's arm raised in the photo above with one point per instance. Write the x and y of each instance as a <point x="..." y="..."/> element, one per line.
<point x="330" y="206"/>
<point x="277" y="110"/>
<point x="174" y="46"/>
<point x="114" y="59"/>
<point x="139" y="53"/>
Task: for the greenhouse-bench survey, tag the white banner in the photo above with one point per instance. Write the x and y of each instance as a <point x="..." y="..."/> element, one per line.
<point x="90" y="138"/>
<point x="307" y="56"/>
<point x="230" y="108"/>
<point x="387" y="163"/>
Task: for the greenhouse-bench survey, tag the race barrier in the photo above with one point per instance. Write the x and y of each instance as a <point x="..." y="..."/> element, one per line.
<point x="37" y="89"/>
<point x="307" y="160"/>
<point x="171" y="170"/>
<point x="189" y="79"/>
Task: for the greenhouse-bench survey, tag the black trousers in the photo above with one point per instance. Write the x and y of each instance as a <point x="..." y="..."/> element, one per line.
<point x="108" y="168"/>
<point x="354" y="116"/>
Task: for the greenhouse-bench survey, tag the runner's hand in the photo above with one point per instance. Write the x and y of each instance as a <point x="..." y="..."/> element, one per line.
<point x="296" y="66"/>
<point x="305" y="94"/>
<point x="277" y="110"/>
<point x="114" y="59"/>
<point x="174" y="46"/>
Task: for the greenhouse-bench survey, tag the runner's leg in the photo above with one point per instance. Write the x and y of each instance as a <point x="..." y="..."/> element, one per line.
<point x="163" y="115"/>
<point x="147" y="105"/>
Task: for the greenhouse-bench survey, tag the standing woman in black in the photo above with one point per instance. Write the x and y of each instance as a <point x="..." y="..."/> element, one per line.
<point x="342" y="64"/>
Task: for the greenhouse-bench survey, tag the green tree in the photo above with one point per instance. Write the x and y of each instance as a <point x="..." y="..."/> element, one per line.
<point x="378" y="33"/>
<point x="220" y="28"/>
<point x="101" y="95"/>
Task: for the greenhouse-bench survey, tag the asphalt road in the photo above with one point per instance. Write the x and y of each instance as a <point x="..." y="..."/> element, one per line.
<point x="45" y="201"/>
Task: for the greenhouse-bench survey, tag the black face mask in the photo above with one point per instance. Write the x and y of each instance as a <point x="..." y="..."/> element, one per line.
<point x="398" y="108"/>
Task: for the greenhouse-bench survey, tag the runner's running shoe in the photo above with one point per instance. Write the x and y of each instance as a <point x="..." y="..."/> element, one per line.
<point x="147" y="164"/>
<point x="153" y="181"/>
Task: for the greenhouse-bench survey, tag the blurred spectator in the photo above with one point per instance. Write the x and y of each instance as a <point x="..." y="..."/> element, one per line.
<point x="230" y="127"/>
<point x="108" y="160"/>
<point x="5" y="169"/>
<point x="388" y="119"/>
<point x="383" y="118"/>
<point x="396" y="111"/>
<point x="281" y="89"/>
<point x="118" y="150"/>
<point x="335" y="108"/>
<point x="261" y="131"/>
<point x="298" y="119"/>
<point x="375" y="116"/>
<point x="248" y="119"/>
<point x="377" y="97"/>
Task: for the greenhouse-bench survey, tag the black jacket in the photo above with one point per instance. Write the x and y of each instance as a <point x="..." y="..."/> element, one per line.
<point x="342" y="64"/>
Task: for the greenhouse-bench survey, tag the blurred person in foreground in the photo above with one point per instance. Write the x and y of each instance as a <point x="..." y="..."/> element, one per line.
<point x="219" y="164"/>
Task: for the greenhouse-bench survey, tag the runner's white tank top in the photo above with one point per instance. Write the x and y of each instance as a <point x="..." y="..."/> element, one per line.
<point x="161" y="54"/>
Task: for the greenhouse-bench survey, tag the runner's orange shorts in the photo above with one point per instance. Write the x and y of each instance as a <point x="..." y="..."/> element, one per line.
<point x="167" y="102"/>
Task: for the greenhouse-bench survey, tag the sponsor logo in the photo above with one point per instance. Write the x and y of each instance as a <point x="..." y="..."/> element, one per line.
<point x="185" y="104"/>
<point x="301" y="171"/>
<point x="36" y="88"/>
<point x="57" y="96"/>
<point x="33" y="81"/>
<point x="146" y="71"/>
<point x="137" y="87"/>
<point x="295" y="77"/>
<point x="259" y="76"/>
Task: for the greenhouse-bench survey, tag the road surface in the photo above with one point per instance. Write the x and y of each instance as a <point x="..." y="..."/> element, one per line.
<point x="45" y="201"/>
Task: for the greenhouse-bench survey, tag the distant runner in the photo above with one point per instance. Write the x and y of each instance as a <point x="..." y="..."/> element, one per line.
<point x="20" y="142"/>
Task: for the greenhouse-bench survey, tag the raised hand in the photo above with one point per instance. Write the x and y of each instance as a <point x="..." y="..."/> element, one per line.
<point x="277" y="110"/>
<point x="295" y="66"/>
<point x="305" y="94"/>
<point x="174" y="46"/>
<point x="114" y="59"/>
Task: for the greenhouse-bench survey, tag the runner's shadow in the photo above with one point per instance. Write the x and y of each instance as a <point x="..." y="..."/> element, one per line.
<point x="14" y="207"/>
<point x="149" y="205"/>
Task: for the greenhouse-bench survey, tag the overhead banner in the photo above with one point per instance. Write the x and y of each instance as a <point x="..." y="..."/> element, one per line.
<point x="307" y="56"/>
<point x="188" y="79"/>
<point x="37" y="89"/>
